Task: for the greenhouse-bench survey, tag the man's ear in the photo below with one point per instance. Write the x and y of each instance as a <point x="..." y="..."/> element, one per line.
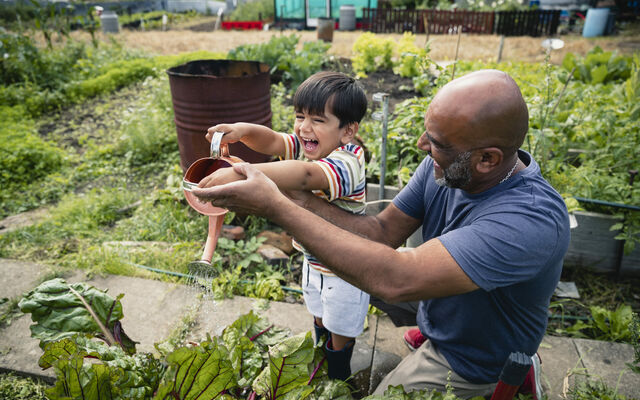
<point x="350" y="132"/>
<point x="490" y="158"/>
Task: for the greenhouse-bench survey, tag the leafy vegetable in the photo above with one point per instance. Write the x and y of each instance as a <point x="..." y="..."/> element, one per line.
<point x="203" y="371"/>
<point x="113" y="374"/>
<point x="62" y="310"/>
<point x="288" y="372"/>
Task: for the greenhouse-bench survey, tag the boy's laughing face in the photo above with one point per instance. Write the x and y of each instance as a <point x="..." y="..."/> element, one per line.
<point x="320" y="134"/>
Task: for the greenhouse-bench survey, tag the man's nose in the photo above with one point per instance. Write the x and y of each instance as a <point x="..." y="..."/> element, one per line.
<point x="423" y="143"/>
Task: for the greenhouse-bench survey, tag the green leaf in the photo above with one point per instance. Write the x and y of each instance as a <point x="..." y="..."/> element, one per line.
<point x="58" y="313"/>
<point x="111" y="371"/>
<point x="288" y="370"/>
<point x="202" y="372"/>
<point x="598" y="74"/>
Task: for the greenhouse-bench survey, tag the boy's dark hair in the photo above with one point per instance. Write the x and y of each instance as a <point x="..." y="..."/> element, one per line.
<point x="344" y="95"/>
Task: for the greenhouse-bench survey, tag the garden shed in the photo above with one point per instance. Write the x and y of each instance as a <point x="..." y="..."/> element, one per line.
<point x="305" y="13"/>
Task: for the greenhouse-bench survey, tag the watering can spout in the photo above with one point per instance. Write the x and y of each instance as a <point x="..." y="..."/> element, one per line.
<point x="220" y="158"/>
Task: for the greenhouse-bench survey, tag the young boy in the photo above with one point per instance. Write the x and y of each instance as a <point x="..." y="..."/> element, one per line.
<point x="329" y="107"/>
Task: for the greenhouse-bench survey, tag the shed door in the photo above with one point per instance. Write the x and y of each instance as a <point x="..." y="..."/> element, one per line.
<point x="317" y="9"/>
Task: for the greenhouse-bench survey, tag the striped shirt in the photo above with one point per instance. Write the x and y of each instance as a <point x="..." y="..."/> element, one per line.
<point x="345" y="172"/>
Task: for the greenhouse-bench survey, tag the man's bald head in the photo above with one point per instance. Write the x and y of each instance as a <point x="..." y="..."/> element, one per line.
<point x="488" y="108"/>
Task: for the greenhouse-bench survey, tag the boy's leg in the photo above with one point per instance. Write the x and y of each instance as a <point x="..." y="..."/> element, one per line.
<point x="344" y="309"/>
<point x="311" y="287"/>
<point x="320" y="331"/>
<point x="338" y="342"/>
<point x="338" y="351"/>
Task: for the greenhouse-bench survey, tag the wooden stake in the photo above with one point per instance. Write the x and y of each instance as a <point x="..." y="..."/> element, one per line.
<point x="455" y="60"/>
<point x="500" y="48"/>
<point x="426" y="27"/>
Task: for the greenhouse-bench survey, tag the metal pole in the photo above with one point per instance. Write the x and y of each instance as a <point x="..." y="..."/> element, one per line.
<point x="384" y="117"/>
<point x="453" y="72"/>
<point x="500" y="48"/>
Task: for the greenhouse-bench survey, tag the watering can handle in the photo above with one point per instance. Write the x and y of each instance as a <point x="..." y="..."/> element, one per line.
<point x="218" y="149"/>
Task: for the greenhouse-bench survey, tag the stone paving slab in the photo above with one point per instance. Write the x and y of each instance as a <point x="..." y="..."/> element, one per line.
<point x="18" y="277"/>
<point x="19" y="352"/>
<point x="606" y="361"/>
<point x="559" y="357"/>
<point x="153" y="309"/>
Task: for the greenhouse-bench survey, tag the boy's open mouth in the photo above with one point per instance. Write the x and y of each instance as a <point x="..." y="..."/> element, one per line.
<point x="309" y="145"/>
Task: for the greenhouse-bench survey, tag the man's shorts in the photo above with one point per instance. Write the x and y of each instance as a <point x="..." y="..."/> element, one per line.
<point x="342" y="306"/>
<point x="427" y="368"/>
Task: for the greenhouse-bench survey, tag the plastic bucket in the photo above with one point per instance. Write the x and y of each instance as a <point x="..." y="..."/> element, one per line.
<point x="596" y="22"/>
<point x="347" y="18"/>
<point x="109" y="22"/>
<point x="325" y="29"/>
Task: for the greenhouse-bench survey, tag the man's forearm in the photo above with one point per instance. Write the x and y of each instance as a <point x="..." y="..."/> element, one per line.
<point x="362" y="225"/>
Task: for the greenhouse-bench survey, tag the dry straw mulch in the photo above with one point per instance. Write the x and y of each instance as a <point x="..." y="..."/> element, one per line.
<point x="472" y="47"/>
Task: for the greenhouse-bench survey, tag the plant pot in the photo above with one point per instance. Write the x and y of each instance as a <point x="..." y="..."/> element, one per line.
<point x="594" y="246"/>
<point x="375" y="205"/>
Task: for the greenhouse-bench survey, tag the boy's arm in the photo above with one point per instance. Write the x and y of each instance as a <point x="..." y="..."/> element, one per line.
<point x="257" y="137"/>
<point x="287" y="175"/>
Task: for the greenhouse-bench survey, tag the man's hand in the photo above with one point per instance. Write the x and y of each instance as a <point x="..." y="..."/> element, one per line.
<point x="220" y="177"/>
<point x="256" y="195"/>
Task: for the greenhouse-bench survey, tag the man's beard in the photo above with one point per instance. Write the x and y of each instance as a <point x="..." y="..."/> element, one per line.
<point x="458" y="174"/>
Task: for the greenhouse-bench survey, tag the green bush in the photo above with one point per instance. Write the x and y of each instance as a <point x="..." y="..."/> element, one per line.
<point x="293" y="66"/>
<point x="371" y="53"/>
<point x="598" y="66"/>
<point x="256" y="10"/>
<point x="24" y="157"/>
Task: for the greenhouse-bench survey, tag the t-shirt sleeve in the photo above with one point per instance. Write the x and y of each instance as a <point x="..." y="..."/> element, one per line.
<point x="503" y="248"/>
<point x="345" y="171"/>
<point x="291" y="147"/>
<point x="410" y="200"/>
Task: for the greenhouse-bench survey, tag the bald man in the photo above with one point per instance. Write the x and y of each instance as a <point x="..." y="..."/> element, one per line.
<point x="495" y="233"/>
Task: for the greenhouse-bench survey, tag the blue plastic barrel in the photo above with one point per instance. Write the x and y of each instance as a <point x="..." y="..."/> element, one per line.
<point x="596" y="22"/>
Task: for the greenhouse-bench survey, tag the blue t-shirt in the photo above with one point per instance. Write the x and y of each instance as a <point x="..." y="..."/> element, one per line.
<point x="510" y="240"/>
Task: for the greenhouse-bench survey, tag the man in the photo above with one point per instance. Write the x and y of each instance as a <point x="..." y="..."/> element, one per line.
<point x="495" y="235"/>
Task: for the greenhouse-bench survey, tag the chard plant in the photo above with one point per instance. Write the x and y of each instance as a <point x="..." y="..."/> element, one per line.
<point x="251" y="359"/>
<point x="76" y="325"/>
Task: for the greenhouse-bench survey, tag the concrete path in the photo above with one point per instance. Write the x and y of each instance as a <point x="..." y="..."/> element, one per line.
<point x="154" y="310"/>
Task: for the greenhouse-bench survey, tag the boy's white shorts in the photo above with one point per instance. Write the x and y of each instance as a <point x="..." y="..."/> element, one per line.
<point x="342" y="306"/>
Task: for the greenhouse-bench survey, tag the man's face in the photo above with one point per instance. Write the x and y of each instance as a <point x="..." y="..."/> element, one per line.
<point x="451" y="167"/>
<point x="458" y="174"/>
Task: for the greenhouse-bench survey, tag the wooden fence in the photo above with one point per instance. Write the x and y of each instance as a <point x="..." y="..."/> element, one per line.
<point x="516" y="23"/>
<point x="527" y="23"/>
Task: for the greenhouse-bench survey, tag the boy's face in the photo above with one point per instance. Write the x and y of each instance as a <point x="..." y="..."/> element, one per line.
<point x="321" y="134"/>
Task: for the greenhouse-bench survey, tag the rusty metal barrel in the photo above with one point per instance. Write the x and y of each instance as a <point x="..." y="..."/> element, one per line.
<point x="210" y="92"/>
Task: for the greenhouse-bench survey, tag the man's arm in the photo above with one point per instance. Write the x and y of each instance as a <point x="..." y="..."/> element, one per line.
<point x="391" y="226"/>
<point x="425" y="272"/>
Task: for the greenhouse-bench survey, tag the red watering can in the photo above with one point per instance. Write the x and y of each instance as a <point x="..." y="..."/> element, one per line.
<point x="200" y="169"/>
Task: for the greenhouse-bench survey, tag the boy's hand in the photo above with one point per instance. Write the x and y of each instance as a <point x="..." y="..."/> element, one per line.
<point x="232" y="132"/>
<point x="220" y="177"/>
